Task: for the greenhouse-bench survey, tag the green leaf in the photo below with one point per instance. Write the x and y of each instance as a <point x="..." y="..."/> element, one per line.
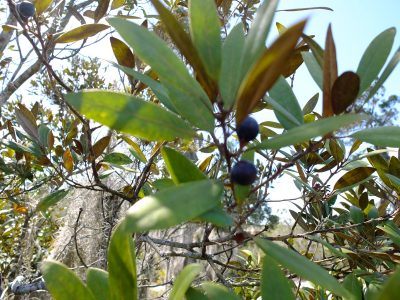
<point x="63" y="284"/>
<point x="218" y="217"/>
<point x="274" y="284"/>
<point x="185" y="92"/>
<point x="80" y="33"/>
<point x="184" y="280"/>
<point x="44" y="132"/>
<point x="311" y="104"/>
<point x="375" y="57"/>
<point x="195" y="294"/>
<point x="331" y="248"/>
<point x="257" y="36"/>
<point x="97" y="282"/>
<point x="388" y="136"/>
<point x="313" y="67"/>
<point x="391" y="289"/>
<point x="180" y="167"/>
<point x="283" y="94"/>
<point x="172" y="206"/>
<point x="311" y="130"/>
<point x="385" y="74"/>
<point x="302" y="266"/>
<point x="353" y="285"/>
<point x="122" y="265"/>
<point x="353" y="177"/>
<point x="205" y="32"/>
<point x="217" y="291"/>
<point x="392" y="231"/>
<point x="117" y="158"/>
<point x="394" y="179"/>
<point x="129" y="114"/>
<point x="356" y="214"/>
<point x="51" y="199"/>
<point x="232" y="54"/>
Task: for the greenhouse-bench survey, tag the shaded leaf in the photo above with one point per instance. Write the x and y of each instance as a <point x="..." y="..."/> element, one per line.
<point x="136" y="148"/>
<point x="353" y="285"/>
<point x="217" y="291"/>
<point x="101" y="9"/>
<point x="101" y="145"/>
<point x="313" y="68"/>
<point x="183" y="281"/>
<point x="129" y="114"/>
<point x="310" y="130"/>
<point x="51" y="199"/>
<point x="375" y="57"/>
<point x="344" y="91"/>
<point x="266" y="71"/>
<point x="336" y="150"/>
<point x="316" y="50"/>
<point x="302" y="267"/>
<point x="391" y="288"/>
<point x="392" y="231"/>
<point x="354" y="176"/>
<point x="117" y="4"/>
<point x="311" y="104"/>
<point x="62" y="283"/>
<point x="205" y="32"/>
<point x="117" y="158"/>
<point x="195" y="294"/>
<point x="122" y="53"/>
<point x="330" y="73"/>
<point x="356" y="214"/>
<point x="388" y="136"/>
<point x="97" y="282"/>
<point x="274" y="284"/>
<point x="27" y="121"/>
<point x="80" y="33"/>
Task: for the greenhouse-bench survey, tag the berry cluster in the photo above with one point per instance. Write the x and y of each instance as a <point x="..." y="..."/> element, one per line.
<point x="244" y="172"/>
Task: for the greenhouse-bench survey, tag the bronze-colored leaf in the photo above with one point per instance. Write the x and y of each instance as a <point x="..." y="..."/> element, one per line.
<point x="357" y="143"/>
<point x="266" y="71"/>
<point x="344" y="91"/>
<point x="330" y="73"/>
<point x="205" y="163"/>
<point x="42" y="5"/>
<point x="185" y="45"/>
<point x="363" y="201"/>
<point x="294" y="62"/>
<point x="81" y="32"/>
<point x="122" y="53"/>
<point x="394" y="166"/>
<point x="101" y="9"/>
<point x="68" y="161"/>
<point x="336" y="151"/>
<point x="101" y="145"/>
<point x="27" y="120"/>
<point x="89" y="14"/>
<point x="354" y="176"/>
<point x="117" y="4"/>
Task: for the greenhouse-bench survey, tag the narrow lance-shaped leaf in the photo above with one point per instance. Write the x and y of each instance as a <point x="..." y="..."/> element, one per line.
<point x="51" y="200"/>
<point x="27" y="121"/>
<point x="101" y="9"/>
<point x="185" y="92"/>
<point x="122" y="53"/>
<point x="81" y="32"/>
<point x="311" y="104"/>
<point x="205" y="32"/>
<point x="184" y="280"/>
<point x="101" y="145"/>
<point x="316" y="50"/>
<point x="302" y="267"/>
<point x="330" y="73"/>
<point x="42" y="5"/>
<point x="129" y="114"/>
<point x="388" y="136"/>
<point x="117" y="4"/>
<point x="352" y="177"/>
<point x="311" y="130"/>
<point x="117" y="158"/>
<point x="344" y="91"/>
<point x="266" y="71"/>
<point x="313" y="68"/>
<point x="375" y="57"/>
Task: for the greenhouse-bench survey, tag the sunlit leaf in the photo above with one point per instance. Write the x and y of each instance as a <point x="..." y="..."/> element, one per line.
<point x="205" y="32"/>
<point x="232" y="54"/>
<point x="344" y="91"/>
<point x="354" y="176"/>
<point x="136" y="148"/>
<point x="302" y="267"/>
<point x="183" y="281"/>
<point x="117" y="158"/>
<point x="266" y="71"/>
<point x="122" y="53"/>
<point x="101" y="145"/>
<point x="51" y="199"/>
<point x="282" y="93"/>
<point x="68" y="161"/>
<point x="129" y="114"/>
<point x="375" y="57"/>
<point x="308" y="131"/>
<point x="62" y="283"/>
<point x="388" y="136"/>
<point x="316" y="50"/>
<point x="81" y="32"/>
<point x="117" y="4"/>
<point x="330" y="73"/>
<point x="185" y="92"/>
<point x="274" y="284"/>
<point x="42" y="5"/>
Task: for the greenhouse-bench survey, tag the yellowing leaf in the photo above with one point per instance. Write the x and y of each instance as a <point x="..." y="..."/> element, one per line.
<point x="117" y="4"/>
<point x="266" y="71"/>
<point x="330" y="73"/>
<point x="68" y="161"/>
<point x="81" y="32"/>
<point x="101" y="9"/>
<point x="101" y="145"/>
<point x="42" y="5"/>
<point x="354" y="176"/>
<point x="135" y="147"/>
<point x="344" y="91"/>
<point x="122" y="53"/>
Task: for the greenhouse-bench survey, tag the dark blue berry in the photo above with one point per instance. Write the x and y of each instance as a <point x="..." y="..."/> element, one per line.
<point x="26" y="10"/>
<point x="243" y="173"/>
<point x="247" y="130"/>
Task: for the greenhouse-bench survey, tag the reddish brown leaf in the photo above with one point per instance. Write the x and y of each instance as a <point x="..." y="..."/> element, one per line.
<point x="344" y="91"/>
<point x="266" y="71"/>
<point x="101" y="145"/>
<point x="330" y="73"/>
<point x="122" y="53"/>
<point x="101" y="9"/>
<point x="354" y="176"/>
